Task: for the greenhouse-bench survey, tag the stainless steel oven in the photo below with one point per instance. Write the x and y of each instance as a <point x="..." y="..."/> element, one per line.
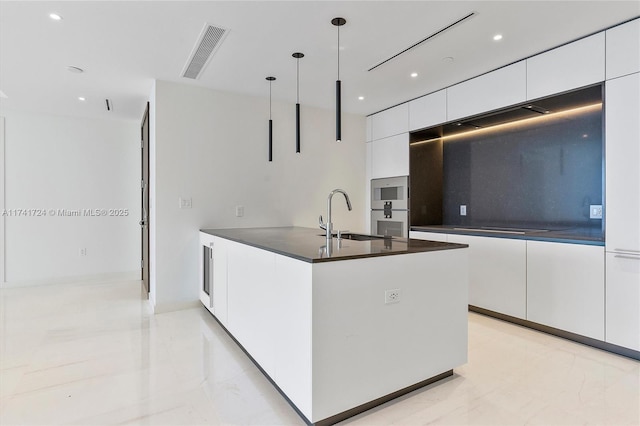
<point x="390" y="206"/>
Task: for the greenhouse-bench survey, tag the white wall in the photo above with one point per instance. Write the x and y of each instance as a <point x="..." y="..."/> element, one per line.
<point x="2" y="218"/>
<point x="211" y="146"/>
<point x="55" y="162"/>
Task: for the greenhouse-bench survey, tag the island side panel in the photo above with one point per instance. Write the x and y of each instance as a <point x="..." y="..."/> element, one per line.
<point x="269" y="314"/>
<point x="364" y="349"/>
<point x="292" y="331"/>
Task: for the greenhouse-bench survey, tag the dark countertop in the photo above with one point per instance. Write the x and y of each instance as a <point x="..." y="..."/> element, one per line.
<point x="308" y="244"/>
<point x="586" y="236"/>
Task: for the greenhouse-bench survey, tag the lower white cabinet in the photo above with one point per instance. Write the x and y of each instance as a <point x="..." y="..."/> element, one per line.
<point x="429" y="236"/>
<point x="623" y="300"/>
<point x="497" y="273"/>
<point x="565" y="287"/>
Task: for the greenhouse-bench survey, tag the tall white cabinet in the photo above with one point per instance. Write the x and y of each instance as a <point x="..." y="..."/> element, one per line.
<point x="622" y="109"/>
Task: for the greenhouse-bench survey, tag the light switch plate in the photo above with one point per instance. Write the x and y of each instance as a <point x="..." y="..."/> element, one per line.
<point x="463" y="210"/>
<point x="595" y="211"/>
<point x="184" y="203"/>
<point x="239" y="211"/>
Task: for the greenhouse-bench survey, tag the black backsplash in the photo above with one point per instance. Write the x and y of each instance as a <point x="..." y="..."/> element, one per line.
<point x="542" y="173"/>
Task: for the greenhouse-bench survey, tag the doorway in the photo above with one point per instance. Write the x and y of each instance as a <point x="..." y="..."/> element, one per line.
<point x="144" y="194"/>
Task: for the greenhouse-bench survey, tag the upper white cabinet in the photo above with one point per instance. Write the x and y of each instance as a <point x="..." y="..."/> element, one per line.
<point x="497" y="89"/>
<point x="427" y="111"/>
<point x="369" y="124"/>
<point x="390" y="122"/>
<point x="390" y="156"/>
<point x="623" y="49"/>
<point x="567" y="67"/>
<point x="622" y="154"/>
<point x="497" y="273"/>
<point x="565" y="287"/>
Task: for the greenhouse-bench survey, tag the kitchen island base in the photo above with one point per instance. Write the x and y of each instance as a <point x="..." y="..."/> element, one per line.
<point x="345" y="414"/>
<point x="341" y="335"/>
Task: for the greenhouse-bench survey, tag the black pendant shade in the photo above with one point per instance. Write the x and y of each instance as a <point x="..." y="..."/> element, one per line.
<point x="270" y="80"/>
<point x="298" y="55"/>
<point x="338" y="22"/>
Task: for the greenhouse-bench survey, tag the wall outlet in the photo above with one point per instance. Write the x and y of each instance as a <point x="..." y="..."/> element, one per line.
<point x="595" y="211"/>
<point x="239" y="211"/>
<point x="184" y="203"/>
<point x="83" y="251"/>
<point x="392" y="296"/>
<point x="463" y="210"/>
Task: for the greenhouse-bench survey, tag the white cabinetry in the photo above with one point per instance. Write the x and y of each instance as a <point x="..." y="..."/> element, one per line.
<point x="390" y="156"/>
<point x="369" y="124"/>
<point x="497" y="89"/>
<point x="429" y="236"/>
<point x="251" y="298"/>
<point x="427" y="111"/>
<point x="565" y="287"/>
<point x="567" y="67"/>
<point x="622" y="211"/>
<point x="623" y="49"/>
<point x="622" y="154"/>
<point x="497" y="273"/>
<point x="392" y="121"/>
<point x="623" y="300"/>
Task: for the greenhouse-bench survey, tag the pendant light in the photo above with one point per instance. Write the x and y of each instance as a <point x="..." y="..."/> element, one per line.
<point x="338" y="22"/>
<point x="298" y="55"/>
<point x="270" y="80"/>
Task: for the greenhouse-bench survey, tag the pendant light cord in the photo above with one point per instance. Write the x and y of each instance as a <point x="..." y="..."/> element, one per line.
<point x="338" y="52"/>
<point x="297" y="80"/>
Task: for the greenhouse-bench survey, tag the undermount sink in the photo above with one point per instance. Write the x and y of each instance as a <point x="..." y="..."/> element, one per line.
<point x="358" y="237"/>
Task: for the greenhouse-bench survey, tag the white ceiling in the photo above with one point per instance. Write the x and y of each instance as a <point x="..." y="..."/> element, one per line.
<point x="124" y="45"/>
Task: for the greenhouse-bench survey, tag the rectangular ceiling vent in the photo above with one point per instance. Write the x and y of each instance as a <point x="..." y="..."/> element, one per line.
<point x="209" y="41"/>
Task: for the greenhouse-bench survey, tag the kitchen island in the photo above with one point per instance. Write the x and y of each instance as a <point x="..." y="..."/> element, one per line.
<point x="343" y="328"/>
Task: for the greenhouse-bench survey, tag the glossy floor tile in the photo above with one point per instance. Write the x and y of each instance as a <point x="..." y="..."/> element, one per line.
<point x="93" y="354"/>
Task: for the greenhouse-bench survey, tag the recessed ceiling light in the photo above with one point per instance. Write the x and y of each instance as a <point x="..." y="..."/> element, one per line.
<point x="448" y="59"/>
<point x="73" y="69"/>
<point x="497" y="37"/>
<point x="361" y="98"/>
<point x="82" y="98"/>
<point x="414" y="74"/>
<point x="55" y="17"/>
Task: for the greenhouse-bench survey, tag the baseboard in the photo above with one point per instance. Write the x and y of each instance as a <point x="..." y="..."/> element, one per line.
<point x="589" y="341"/>
<point x="88" y="279"/>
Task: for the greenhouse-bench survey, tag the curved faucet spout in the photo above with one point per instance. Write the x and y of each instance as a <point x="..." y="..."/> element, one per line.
<point x="329" y="225"/>
<point x="346" y="197"/>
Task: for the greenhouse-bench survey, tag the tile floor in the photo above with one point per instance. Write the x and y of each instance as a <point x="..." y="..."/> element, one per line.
<point x="92" y="354"/>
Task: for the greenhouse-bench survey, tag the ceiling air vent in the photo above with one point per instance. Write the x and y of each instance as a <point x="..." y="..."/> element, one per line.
<point x="429" y="37"/>
<point x="210" y="39"/>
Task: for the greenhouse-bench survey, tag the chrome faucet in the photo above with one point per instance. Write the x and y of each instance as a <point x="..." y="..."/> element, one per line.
<point x="328" y="227"/>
